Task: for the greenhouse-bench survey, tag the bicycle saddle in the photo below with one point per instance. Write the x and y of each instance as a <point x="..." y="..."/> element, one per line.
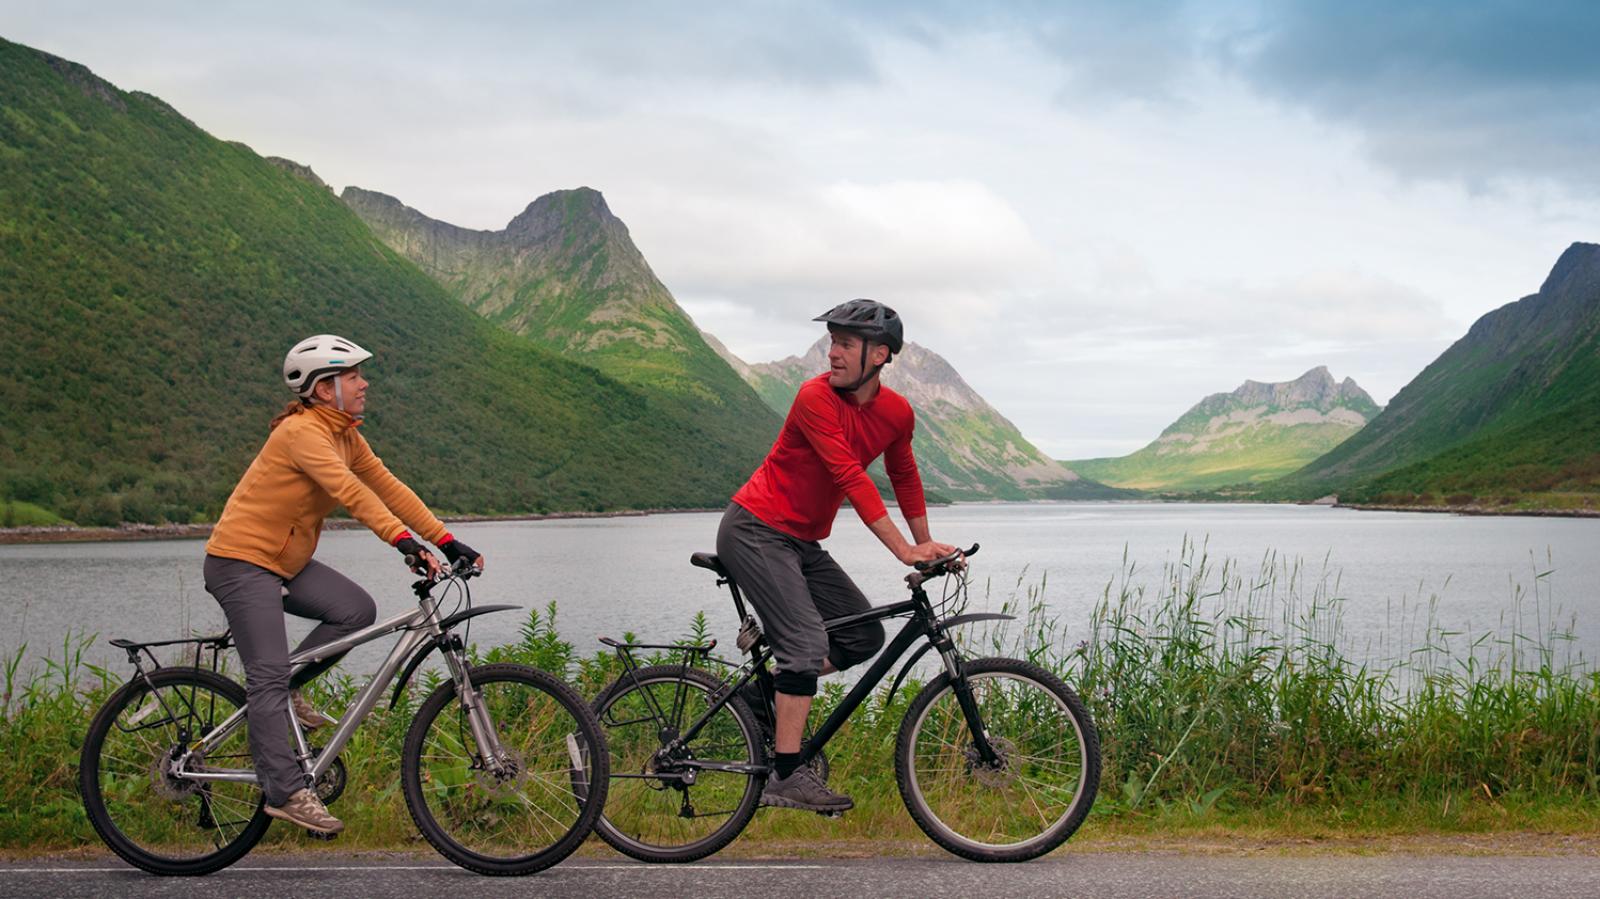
<point x="710" y="562"/>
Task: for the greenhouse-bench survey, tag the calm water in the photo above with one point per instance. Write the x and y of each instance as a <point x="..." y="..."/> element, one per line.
<point x="617" y="574"/>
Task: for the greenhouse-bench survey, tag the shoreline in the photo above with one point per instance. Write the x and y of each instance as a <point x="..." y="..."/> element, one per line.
<point x="71" y="533"/>
<point x="1470" y="510"/>
<point x="66" y="533"/>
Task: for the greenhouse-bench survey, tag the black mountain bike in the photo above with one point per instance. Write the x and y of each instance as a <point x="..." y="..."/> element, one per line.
<point x="503" y="767"/>
<point x="996" y="759"/>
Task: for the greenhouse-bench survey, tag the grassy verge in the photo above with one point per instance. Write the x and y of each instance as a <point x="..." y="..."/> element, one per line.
<point x="1228" y="699"/>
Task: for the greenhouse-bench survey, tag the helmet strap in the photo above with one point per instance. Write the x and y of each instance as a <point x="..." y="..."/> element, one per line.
<point x="865" y="375"/>
<point x="338" y="397"/>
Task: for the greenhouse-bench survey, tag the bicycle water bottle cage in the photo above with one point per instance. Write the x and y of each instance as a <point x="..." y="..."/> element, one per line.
<point x="749" y="633"/>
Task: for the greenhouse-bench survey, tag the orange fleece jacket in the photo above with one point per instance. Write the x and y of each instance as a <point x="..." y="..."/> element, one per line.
<point x="313" y="462"/>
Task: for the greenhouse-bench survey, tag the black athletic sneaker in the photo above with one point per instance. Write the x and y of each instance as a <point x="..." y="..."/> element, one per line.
<point x="804" y="790"/>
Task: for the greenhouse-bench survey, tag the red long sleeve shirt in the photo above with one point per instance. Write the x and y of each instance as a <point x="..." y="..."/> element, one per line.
<point x="821" y="457"/>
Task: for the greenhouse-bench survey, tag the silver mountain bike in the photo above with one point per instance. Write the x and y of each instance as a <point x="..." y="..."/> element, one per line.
<point x="504" y="767"/>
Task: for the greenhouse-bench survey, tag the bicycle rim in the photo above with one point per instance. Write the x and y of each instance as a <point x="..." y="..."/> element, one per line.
<point x="514" y="818"/>
<point x="1038" y="793"/>
<point x="158" y="822"/>
<point x="651" y="814"/>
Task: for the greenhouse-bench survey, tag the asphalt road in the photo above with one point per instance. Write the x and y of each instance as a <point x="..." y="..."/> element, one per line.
<point x="1088" y="874"/>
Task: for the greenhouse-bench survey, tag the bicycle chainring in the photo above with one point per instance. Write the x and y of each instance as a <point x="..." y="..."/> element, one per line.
<point x="330" y="785"/>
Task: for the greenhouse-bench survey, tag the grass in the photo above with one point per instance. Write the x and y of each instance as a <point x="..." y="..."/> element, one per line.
<point x="1229" y="699"/>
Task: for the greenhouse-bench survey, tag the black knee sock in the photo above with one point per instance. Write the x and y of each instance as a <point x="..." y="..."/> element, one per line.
<point x="784" y="763"/>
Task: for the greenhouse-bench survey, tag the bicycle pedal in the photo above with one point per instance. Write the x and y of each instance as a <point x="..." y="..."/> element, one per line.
<point x="319" y="835"/>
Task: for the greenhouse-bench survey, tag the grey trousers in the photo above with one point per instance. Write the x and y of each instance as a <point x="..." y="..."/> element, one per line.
<point x="794" y="585"/>
<point x="254" y="601"/>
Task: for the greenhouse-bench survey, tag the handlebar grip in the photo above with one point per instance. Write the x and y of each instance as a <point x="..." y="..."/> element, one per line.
<point x="945" y="560"/>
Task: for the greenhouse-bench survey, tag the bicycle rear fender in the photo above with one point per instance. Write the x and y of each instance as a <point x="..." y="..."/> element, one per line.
<point x="427" y="648"/>
<point x="948" y="623"/>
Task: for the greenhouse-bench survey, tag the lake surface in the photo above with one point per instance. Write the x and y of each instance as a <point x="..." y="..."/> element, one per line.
<point x="611" y="575"/>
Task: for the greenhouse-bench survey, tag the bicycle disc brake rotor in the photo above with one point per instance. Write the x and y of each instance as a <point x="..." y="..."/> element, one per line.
<point x="1003" y="772"/>
<point x="166" y="784"/>
<point x="508" y="780"/>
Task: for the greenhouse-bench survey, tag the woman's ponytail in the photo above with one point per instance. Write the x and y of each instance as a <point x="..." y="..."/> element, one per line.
<point x="294" y="408"/>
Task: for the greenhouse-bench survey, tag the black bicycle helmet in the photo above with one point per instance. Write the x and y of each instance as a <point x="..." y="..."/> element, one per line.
<point x="868" y="318"/>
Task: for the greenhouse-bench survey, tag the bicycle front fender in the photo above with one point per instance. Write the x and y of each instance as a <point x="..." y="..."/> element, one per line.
<point x="957" y="621"/>
<point x="421" y="655"/>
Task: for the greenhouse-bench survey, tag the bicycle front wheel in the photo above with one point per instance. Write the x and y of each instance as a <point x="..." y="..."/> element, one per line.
<point x="669" y="806"/>
<point x="150" y="817"/>
<point x="1029" y="800"/>
<point x="525" y="812"/>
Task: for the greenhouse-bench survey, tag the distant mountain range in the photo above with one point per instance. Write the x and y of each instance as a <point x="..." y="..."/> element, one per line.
<point x="965" y="448"/>
<point x="1508" y="415"/>
<point x="1257" y="432"/>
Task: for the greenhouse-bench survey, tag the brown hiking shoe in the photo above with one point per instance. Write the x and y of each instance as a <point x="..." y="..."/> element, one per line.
<point x="304" y="809"/>
<point x="306" y="713"/>
<point x="803" y="789"/>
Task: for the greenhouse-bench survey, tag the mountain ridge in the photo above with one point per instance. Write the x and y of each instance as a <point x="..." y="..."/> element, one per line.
<point x="156" y="274"/>
<point x="1257" y="431"/>
<point x="1509" y="408"/>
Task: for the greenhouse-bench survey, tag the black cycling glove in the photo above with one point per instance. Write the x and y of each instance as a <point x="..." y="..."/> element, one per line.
<point x="455" y="550"/>
<point x="409" y="547"/>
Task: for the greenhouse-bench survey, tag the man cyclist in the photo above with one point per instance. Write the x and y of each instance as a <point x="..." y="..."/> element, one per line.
<point x="258" y="561"/>
<point x="839" y="423"/>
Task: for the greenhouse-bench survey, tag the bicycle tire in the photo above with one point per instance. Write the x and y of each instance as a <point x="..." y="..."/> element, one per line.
<point x="138" y="822"/>
<point x="953" y="797"/>
<point x="639" y="820"/>
<point x="542" y="734"/>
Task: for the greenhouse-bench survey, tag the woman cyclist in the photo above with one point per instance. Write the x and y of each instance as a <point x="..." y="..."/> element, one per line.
<point x="258" y="561"/>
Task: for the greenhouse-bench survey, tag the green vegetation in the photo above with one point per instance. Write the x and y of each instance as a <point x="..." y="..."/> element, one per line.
<point x="1226" y="696"/>
<point x="1507" y="417"/>
<point x="152" y="277"/>
<point x="566" y="275"/>
<point x="1245" y="456"/>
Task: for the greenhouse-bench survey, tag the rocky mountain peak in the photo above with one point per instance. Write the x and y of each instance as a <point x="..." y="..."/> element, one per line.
<point x="301" y="171"/>
<point x="562" y="212"/>
<point x="1580" y="258"/>
<point x="1316" y="388"/>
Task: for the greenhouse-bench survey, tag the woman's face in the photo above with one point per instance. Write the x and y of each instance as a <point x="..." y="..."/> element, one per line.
<point x="352" y="385"/>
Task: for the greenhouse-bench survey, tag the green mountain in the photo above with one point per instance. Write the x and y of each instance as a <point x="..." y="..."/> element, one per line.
<point x="566" y="274"/>
<point x="1510" y="413"/>
<point x="1257" y="432"/>
<point x="965" y="448"/>
<point x="152" y="276"/>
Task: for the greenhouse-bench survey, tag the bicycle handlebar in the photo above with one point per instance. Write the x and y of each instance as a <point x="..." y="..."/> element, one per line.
<point x="927" y="571"/>
<point x="462" y="569"/>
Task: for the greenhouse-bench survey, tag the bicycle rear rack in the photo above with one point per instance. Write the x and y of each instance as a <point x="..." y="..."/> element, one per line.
<point x="216" y="643"/>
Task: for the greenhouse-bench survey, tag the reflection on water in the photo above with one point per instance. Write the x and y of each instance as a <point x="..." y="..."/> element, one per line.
<point x="613" y="575"/>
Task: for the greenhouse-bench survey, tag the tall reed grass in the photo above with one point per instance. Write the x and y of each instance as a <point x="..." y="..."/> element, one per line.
<point x="1218" y="688"/>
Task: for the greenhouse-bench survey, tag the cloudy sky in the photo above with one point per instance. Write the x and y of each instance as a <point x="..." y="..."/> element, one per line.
<point x="1099" y="212"/>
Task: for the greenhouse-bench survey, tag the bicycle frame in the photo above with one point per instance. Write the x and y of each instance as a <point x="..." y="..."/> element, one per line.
<point x="923" y="623"/>
<point x="421" y="628"/>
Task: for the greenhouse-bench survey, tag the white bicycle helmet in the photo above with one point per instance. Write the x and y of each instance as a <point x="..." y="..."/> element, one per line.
<point x="314" y="358"/>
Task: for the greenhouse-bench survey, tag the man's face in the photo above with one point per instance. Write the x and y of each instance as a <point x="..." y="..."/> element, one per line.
<point x="844" y="358"/>
<point x="354" y="387"/>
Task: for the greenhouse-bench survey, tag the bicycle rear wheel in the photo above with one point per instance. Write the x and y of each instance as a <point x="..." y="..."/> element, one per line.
<point x="1039" y="791"/>
<point x="153" y="820"/>
<point x="527" y="814"/>
<point x="659" y="809"/>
